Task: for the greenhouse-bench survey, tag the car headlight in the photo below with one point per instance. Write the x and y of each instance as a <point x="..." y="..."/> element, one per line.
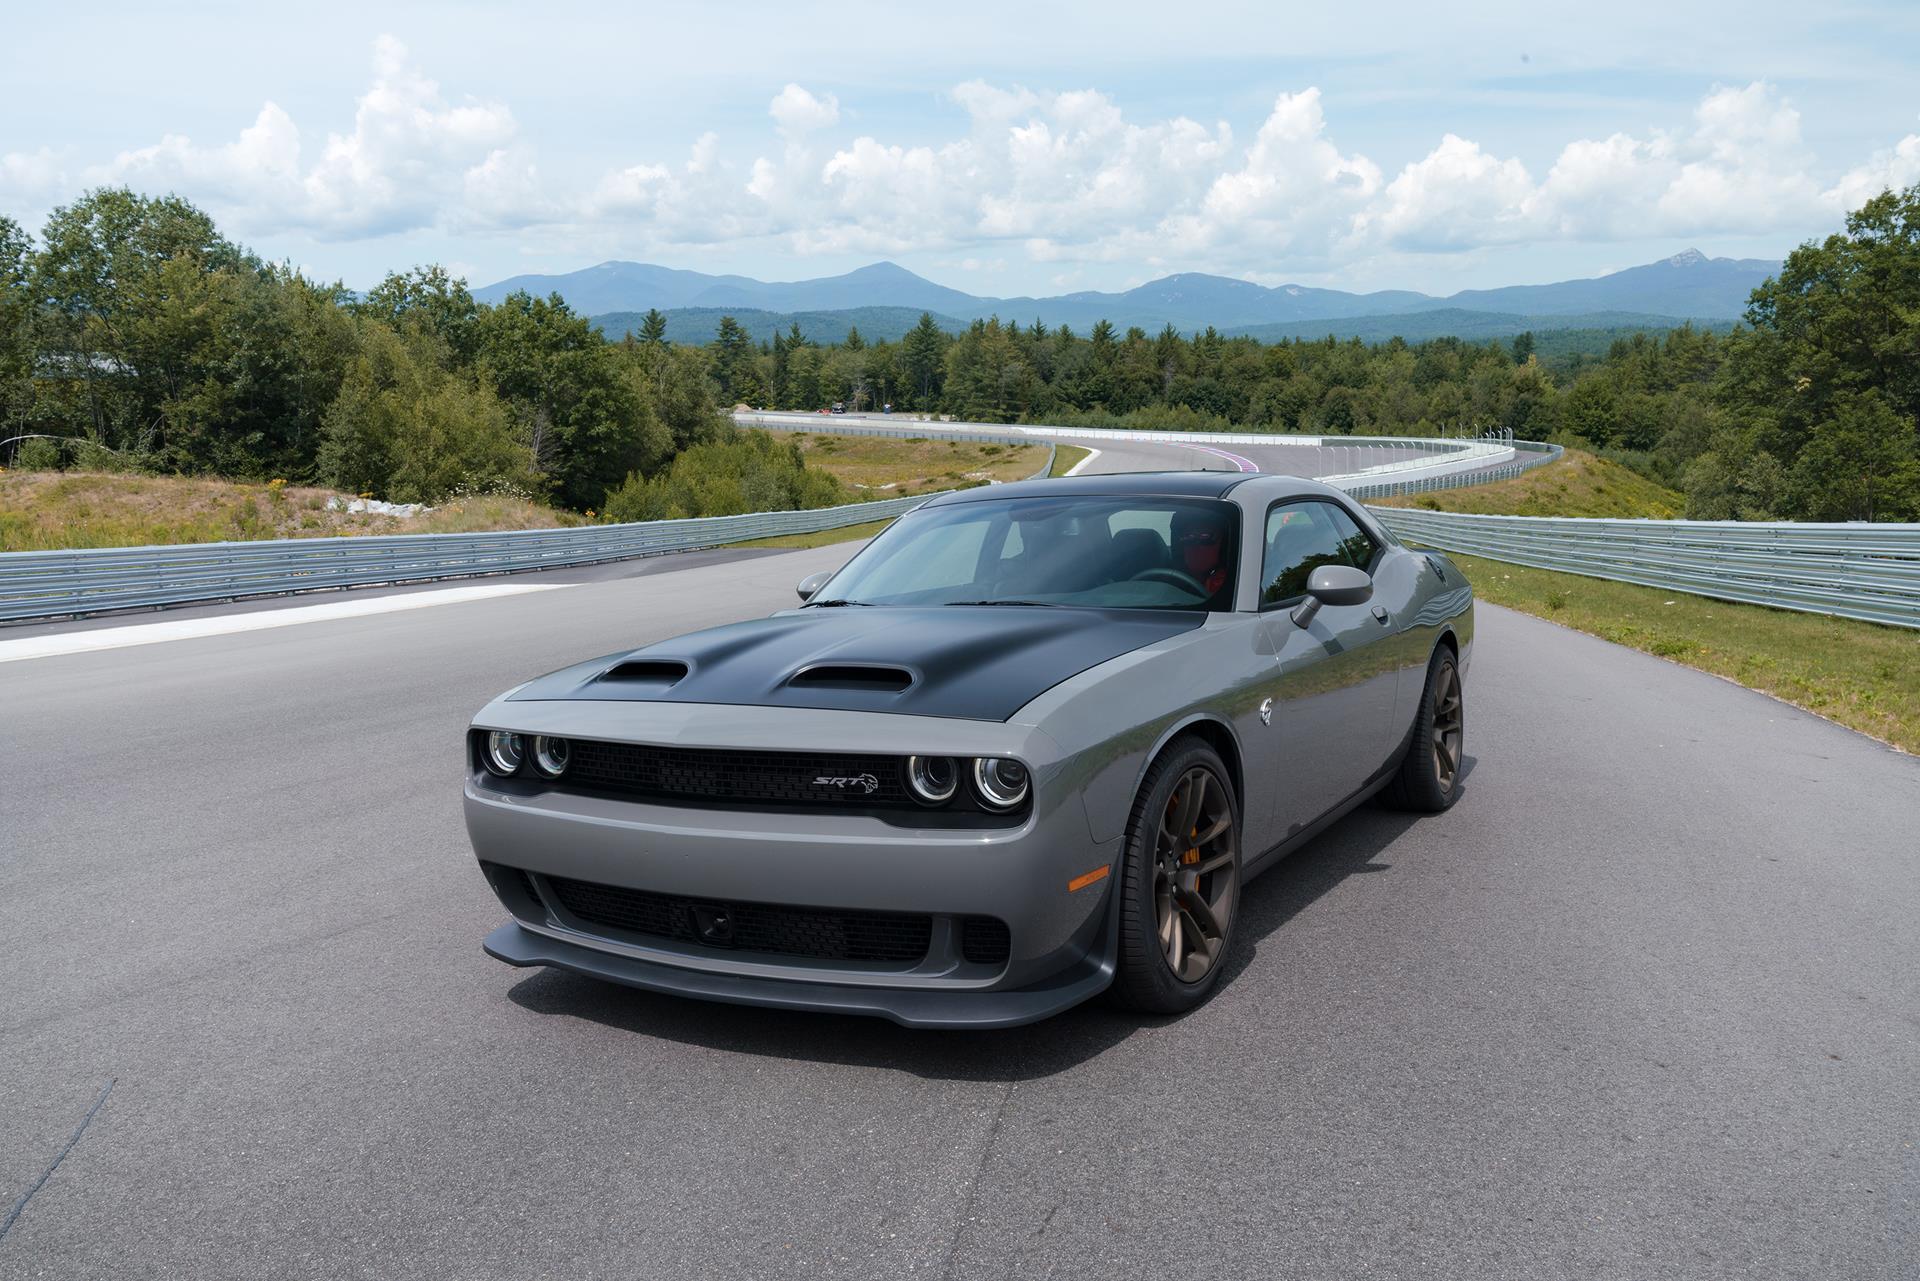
<point x="933" y="779"/>
<point x="504" y="752"/>
<point x="1002" y="783"/>
<point x="550" y="755"/>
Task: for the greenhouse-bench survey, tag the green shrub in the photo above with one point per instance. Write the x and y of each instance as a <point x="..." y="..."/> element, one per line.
<point x="745" y="471"/>
<point x="405" y="427"/>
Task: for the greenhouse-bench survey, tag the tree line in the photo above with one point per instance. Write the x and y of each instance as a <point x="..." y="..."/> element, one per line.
<point x="139" y="333"/>
<point x="1810" y="410"/>
<point x="134" y="325"/>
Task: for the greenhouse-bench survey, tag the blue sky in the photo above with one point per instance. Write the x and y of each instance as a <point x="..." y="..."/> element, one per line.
<point x="1003" y="149"/>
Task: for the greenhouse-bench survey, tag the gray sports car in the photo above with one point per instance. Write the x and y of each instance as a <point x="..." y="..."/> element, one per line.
<point x="1028" y="745"/>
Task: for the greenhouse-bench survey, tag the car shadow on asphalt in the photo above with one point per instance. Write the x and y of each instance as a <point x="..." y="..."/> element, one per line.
<point x="1352" y="847"/>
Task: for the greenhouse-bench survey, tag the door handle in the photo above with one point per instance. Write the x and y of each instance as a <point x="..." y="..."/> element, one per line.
<point x="1380" y="614"/>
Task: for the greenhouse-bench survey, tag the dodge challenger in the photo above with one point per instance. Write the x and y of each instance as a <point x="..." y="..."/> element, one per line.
<point x="1027" y="746"/>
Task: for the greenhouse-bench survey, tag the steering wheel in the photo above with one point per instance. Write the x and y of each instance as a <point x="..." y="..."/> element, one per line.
<point x="1174" y="577"/>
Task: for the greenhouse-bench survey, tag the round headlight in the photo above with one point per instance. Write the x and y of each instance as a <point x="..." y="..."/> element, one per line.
<point x="504" y="752"/>
<point x="934" y="779"/>
<point x="550" y="755"/>
<point x="1002" y="783"/>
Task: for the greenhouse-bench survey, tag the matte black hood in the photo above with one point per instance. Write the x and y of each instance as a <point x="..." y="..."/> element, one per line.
<point x="972" y="662"/>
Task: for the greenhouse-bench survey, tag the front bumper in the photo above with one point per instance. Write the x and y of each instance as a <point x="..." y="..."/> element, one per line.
<point x="1057" y="941"/>
<point x="909" y="1007"/>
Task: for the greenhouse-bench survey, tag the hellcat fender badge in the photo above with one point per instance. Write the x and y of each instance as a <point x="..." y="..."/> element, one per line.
<point x="1266" y="711"/>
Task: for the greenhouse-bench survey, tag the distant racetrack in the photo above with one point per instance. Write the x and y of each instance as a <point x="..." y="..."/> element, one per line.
<point x="1119" y="454"/>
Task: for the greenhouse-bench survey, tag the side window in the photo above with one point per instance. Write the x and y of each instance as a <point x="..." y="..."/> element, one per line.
<point x="1301" y="537"/>
<point x="1355" y="544"/>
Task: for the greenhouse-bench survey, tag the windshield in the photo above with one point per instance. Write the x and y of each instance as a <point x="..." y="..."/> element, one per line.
<point x="1104" y="551"/>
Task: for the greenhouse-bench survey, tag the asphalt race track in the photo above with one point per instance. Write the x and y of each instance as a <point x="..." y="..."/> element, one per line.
<point x="1645" y="1004"/>
<point x="1120" y="455"/>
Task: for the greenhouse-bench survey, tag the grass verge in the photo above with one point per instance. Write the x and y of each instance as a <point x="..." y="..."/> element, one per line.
<point x="890" y="466"/>
<point x="53" y="511"/>
<point x="1066" y="458"/>
<point x="1862" y="675"/>
<point x="1578" y="485"/>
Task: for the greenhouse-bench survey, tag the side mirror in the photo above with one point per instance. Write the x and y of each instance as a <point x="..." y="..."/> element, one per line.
<point x="1333" y="585"/>
<point x="812" y="583"/>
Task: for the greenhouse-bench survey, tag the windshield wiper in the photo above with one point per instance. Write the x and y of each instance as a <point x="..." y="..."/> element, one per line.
<point x="1035" y="604"/>
<point x="829" y="604"/>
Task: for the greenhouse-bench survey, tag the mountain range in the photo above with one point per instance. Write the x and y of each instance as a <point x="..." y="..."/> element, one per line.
<point x="1687" y="286"/>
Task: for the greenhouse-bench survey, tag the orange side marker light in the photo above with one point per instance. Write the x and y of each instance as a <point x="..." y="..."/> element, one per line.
<point x="1085" y="879"/>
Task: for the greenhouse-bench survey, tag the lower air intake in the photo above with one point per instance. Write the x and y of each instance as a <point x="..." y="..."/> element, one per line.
<point x="984" y="940"/>
<point x="895" y="938"/>
<point x="508" y="880"/>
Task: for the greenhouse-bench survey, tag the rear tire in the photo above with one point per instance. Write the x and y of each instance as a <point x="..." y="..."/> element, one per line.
<point x="1180" y="883"/>
<point x="1428" y="780"/>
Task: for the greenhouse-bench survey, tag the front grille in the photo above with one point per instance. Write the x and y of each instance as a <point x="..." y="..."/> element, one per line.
<point x="822" y="934"/>
<point x="705" y="774"/>
<point x="984" y="940"/>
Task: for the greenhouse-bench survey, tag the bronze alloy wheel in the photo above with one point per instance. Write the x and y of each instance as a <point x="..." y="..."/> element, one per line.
<point x="1447" y="726"/>
<point x="1196" y="877"/>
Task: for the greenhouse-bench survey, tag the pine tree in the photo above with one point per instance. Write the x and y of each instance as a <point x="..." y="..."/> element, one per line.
<point x="920" y="355"/>
<point x="733" y="353"/>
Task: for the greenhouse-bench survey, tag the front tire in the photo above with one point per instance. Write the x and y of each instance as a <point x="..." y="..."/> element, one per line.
<point x="1181" y="885"/>
<point x="1429" y="777"/>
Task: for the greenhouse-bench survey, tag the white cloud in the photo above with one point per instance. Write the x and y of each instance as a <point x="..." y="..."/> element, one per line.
<point x="1037" y="169"/>
<point x="412" y="160"/>
<point x="260" y="168"/>
<point x="797" y="112"/>
<point x="408" y="157"/>
<point x="1742" y="169"/>
<point x="1457" y="197"/>
<point x="1292" y="178"/>
<point x="32" y="178"/>
<point x="505" y="190"/>
<point x="1066" y="177"/>
<point x="1601" y="189"/>
<point x="1897" y="167"/>
<point x="1747" y="167"/>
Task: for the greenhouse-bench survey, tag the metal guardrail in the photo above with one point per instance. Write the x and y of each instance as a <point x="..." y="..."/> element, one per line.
<point x="1363" y="487"/>
<point x="1864" y="571"/>
<point x="58" y="584"/>
<point x="898" y="428"/>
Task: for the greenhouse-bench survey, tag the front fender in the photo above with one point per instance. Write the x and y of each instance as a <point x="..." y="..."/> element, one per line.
<point x="1113" y="720"/>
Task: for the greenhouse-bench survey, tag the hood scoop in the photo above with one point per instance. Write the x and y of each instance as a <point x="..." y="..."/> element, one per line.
<point x="654" y="673"/>
<point x="878" y="678"/>
<point x="972" y="664"/>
